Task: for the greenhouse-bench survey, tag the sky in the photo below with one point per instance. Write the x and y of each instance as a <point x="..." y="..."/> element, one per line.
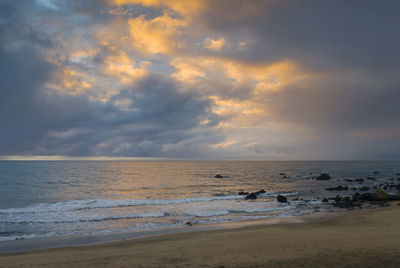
<point x="200" y="79"/>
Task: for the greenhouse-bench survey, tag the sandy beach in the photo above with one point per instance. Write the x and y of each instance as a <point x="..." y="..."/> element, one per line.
<point x="364" y="238"/>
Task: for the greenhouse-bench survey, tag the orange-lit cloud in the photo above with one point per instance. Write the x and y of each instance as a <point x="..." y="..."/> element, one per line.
<point x="183" y="7"/>
<point x="68" y="81"/>
<point x="121" y="66"/>
<point x="215" y="45"/>
<point x="158" y="35"/>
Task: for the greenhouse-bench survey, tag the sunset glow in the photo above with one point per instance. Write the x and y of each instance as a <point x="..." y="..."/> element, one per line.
<point x="199" y="79"/>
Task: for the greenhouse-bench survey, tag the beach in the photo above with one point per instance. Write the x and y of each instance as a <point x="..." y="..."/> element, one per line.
<point x="362" y="237"/>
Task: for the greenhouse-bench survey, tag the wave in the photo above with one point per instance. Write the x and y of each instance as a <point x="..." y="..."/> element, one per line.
<point x="94" y="219"/>
<point x="106" y="203"/>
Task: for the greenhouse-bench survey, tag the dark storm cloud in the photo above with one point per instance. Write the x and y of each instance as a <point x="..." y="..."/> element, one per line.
<point x="350" y="107"/>
<point x="320" y="34"/>
<point x="34" y="121"/>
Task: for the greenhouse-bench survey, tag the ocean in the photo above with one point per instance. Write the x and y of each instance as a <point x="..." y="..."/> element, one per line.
<point x="80" y="198"/>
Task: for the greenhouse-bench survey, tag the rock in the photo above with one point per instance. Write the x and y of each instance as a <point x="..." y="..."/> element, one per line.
<point x="397" y="174"/>
<point x="364" y="188"/>
<point x="359" y="180"/>
<point x="281" y="199"/>
<point x="338" y="188"/>
<point x="218" y="176"/>
<point x="324" y="177"/>
<point x="189" y="223"/>
<point x="348" y="180"/>
<point x="286" y="177"/>
<point x="371" y="178"/>
<point x="395" y="186"/>
<point x="282" y="174"/>
<point x="379" y="195"/>
<point x="375" y="172"/>
<point x="394" y="197"/>
<point x="254" y="194"/>
<point x="251" y="196"/>
<point x="243" y="193"/>
<point x="346" y="202"/>
<point x="325" y="200"/>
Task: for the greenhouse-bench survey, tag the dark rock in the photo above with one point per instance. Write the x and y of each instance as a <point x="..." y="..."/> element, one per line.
<point x="218" y="176"/>
<point x="189" y="223"/>
<point x="348" y="180"/>
<point x="262" y="191"/>
<point x="359" y="180"/>
<point x="397" y="174"/>
<point x="324" y="177"/>
<point x="395" y="186"/>
<point x="282" y="174"/>
<point x="243" y="193"/>
<point x="354" y="188"/>
<point x="338" y="188"/>
<point x="296" y="199"/>
<point x="379" y="195"/>
<point x="281" y="199"/>
<point x="254" y="194"/>
<point x="394" y="197"/>
<point x="375" y="187"/>
<point x="375" y="172"/>
<point x="371" y="178"/>
<point x="346" y="202"/>
<point x="251" y="196"/>
<point x="364" y="188"/>
<point x="286" y="177"/>
<point x="325" y="200"/>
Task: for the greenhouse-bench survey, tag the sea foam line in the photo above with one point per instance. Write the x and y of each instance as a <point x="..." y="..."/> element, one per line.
<point x="106" y="203"/>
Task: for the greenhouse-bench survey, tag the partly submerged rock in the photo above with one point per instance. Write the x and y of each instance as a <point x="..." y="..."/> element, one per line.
<point x="338" y="188"/>
<point x="254" y="194"/>
<point x="218" y="176"/>
<point x="251" y="196"/>
<point x="281" y="199"/>
<point x="324" y="177"/>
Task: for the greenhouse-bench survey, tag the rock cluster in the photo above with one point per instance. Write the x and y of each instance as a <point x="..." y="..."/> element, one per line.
<point x="254" y="194"/>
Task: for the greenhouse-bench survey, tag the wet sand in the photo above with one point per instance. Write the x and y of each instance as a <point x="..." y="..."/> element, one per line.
<point x="363" y="238"/>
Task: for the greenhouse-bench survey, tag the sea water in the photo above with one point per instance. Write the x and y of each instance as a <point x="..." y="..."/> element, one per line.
<point x="64" y="198"/>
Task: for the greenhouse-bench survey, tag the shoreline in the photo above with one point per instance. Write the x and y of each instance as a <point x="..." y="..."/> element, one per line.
<point x="359" y="232"/>
<point x="43" y="243"/>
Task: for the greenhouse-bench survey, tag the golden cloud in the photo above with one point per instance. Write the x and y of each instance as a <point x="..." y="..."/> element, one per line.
<point x="158" y="35"/>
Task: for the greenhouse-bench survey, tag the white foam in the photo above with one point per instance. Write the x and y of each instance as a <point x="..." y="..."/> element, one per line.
<point x="106" y="203"/>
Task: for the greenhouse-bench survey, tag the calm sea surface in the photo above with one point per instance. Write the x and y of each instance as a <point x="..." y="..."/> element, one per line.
<point x="58" y="198"/>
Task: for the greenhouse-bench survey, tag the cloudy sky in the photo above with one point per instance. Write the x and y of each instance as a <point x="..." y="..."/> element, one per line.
<point x="220" y="79"/>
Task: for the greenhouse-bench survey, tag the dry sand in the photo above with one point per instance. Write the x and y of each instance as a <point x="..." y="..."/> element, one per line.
<point x="362" y="238"/>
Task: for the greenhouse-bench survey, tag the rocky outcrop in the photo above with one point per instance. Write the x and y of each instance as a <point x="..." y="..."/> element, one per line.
<point x="281" y="199"/>
<point x="378" y="197"/>
<point x="254" y="194"/>
<point x="218" y="176"/>
<point x="324" y="177"/>
<point x="338" y="188"/>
